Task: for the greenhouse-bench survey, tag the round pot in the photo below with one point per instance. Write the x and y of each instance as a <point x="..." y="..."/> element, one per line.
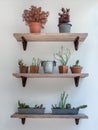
<point x="76" y="69"/>
<point x="64" y="28"/>
<point x="35" y="27"/>
<point x="23" y="69"/>
<point x="48" y="66"/>
<point x="34" y="69"/>
<point x="63" y="69"/>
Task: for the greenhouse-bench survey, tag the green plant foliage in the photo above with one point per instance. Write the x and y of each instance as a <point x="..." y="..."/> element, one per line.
<point x="36" y="62"/>
<point x="63" y="55"/>
<point x="22" y="105"/>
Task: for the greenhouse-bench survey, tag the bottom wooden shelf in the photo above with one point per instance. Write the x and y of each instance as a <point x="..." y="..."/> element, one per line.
<point x="48" y="115"/>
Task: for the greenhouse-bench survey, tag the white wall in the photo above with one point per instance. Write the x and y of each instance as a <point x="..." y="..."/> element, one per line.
<point x="84" y="18"/>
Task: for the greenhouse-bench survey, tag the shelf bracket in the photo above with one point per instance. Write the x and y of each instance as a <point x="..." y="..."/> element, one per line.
<point x="76" y="43"/>
<point x="76" y="121"/>
<point x="24" y="43"/>
<point x="23" y="120"/>
<point x="24" y="79"/>
<point x="76" y="80"/>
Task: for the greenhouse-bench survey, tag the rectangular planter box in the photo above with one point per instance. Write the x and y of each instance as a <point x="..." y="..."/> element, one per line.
<point x="31" y="110"/>
<point x="65" y="111"/>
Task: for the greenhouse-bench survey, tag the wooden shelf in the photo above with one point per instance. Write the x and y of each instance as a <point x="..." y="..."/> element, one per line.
<point x="76" y="76"/>
<point x="50" y="37"/>
<point x="49" y="115"/>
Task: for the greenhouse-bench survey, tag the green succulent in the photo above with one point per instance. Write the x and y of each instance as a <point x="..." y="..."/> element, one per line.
<point x="63" y="55"/>
<point x="35" y="62"/>
<point x="22" y="105"/>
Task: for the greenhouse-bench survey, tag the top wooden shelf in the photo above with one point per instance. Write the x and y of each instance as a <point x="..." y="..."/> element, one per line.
<point x="56" y="37"/>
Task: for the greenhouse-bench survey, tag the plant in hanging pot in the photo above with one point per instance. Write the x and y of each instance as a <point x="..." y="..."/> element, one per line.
<point x="63" y="57"/>
<point x="64" y="19"/>
<point x="76" y="68"/>
<point x="22" y="67"/>
<point x="48" y="66"/>
<point x="65" y="108"/>
<point x="34" y="68"/>
<point x="35" y="18"/>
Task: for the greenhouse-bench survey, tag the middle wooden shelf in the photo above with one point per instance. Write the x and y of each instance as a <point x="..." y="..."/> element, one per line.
<point x="76" y="76"/>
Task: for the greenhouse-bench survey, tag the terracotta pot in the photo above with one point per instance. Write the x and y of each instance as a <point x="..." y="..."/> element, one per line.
<point x="35" y="27"/>
<point x="34" y="69"/>
<point x="76" y="69"/>
<point x="23" y="69"/>
<point x="63" y="69"/>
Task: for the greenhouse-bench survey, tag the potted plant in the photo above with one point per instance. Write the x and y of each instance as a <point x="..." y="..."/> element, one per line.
<point x="63" y="108"/>
<point x="63" y="57"/>
<point x="48" y="66"/>
<point x="76" y="68"/>
<point x="26" y="109"/>
<point x="35" y="18"/>
<point x="22" y="67"/>
<point x="34" y="68"/>
<point x="64" y="19"/>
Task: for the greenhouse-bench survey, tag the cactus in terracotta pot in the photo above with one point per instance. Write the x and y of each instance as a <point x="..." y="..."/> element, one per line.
<point x="62" y="56"/>
<point x="34" y="68"/>
<point x="76" y="68"/>
<point x="22" y="67"/>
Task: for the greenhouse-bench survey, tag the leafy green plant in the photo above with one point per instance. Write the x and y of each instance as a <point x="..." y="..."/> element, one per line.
<point x="63" y="56"/>
<point x="36" y="62"/>
<point x="38" y="106"/>
<point x="62" y="102"/>
<point x="20" y="62"/>
<point x="81" y="107"/>
<point x="22" y="105"/>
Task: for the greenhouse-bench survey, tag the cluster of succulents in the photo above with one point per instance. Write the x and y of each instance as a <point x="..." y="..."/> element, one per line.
<point x="35" y="14"/>
<point x="24" y="105"/>
<point x="64" y="17"/>
<point x="62" y="103"/>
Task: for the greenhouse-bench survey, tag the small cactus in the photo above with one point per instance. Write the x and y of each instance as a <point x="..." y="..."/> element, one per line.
<point x="77" y="63"/>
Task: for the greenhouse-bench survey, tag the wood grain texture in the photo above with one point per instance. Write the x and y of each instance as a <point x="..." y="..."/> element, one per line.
<point x="29" y="75"/>
<point x="48" y="115"/>
<point x="50" y="36"/>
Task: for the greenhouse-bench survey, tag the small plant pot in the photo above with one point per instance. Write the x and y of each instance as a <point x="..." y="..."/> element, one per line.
<point x="64" y="111"/>
<point x="76" y="69"/>
<point x="34" y="69"/>
<point x="35" y="27"/>
<point x="65" y="28"/>
<point x="48" y="66"/>
<point x="31" y="110"/>
<point x="23" y="69"/>
<point x="63" y="69"/>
